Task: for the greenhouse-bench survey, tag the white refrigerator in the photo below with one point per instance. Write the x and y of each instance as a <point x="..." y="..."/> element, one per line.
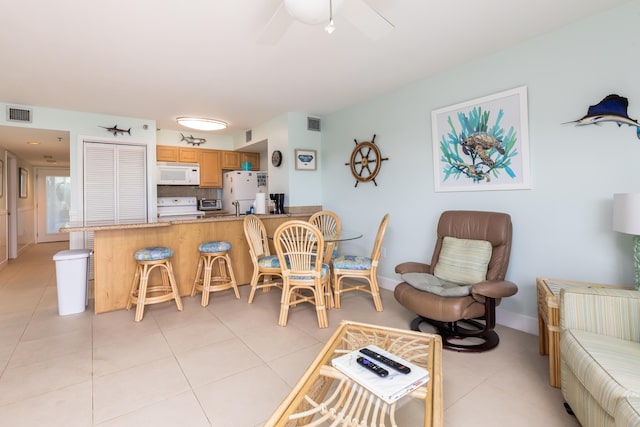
<point x="242" y="186"/>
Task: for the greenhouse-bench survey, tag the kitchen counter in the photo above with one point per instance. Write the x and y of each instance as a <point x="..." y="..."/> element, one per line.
<point x="215" y="216"/>
<point x="115" y="244"/>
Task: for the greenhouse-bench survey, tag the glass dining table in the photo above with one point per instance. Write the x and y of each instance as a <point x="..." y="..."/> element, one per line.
<point x="332" y="239"/>
<point x="330" y="242"/>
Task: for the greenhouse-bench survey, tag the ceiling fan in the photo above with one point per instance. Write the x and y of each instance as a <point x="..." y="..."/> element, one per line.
<point x="314" y="12"/>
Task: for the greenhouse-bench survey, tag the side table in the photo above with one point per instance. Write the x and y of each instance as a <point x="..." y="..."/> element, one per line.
<point x="548" y="292"/>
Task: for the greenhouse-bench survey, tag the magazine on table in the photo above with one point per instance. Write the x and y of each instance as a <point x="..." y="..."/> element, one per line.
<point x="389" y="383"/>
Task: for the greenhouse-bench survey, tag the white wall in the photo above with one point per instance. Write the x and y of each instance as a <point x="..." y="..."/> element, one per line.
<point x="562" y="226"/>
<point x="88" y="125"/>
<point x="287" y="133"/>
<point x="213" y="142"/>
<point x="305" y="187"/>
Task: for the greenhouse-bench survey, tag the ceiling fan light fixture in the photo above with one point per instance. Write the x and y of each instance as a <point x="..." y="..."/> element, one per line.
<point x="330" y="28"/>
<point x="312" y="12"/>
<point x="201" y="123"/>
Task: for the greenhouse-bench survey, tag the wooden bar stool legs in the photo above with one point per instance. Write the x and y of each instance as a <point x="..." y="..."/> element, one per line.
<point x="214" y="254"/>
<point x="141" y="293"/>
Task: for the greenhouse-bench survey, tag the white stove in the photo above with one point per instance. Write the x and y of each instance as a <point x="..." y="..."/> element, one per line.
<point x="178" y="208"/>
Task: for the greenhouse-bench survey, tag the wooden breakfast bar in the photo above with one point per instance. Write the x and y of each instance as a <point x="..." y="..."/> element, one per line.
<point x="114" y="246"/>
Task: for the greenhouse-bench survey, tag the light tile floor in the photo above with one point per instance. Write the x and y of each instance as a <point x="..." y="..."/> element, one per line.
<point x="225" y="365"/>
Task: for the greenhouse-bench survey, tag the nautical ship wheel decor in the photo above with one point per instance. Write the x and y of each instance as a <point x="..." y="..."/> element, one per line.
<point x="366" y="161"/>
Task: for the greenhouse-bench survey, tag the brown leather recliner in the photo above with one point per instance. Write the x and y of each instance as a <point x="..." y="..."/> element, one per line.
<point x="475" y="311"/>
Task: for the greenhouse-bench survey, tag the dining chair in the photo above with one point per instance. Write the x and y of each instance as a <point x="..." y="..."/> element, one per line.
<point x="305" y="278"/>
<point x="360" y="267"/>
<point x="329" y="224"/>
<point x="265" y="265"/>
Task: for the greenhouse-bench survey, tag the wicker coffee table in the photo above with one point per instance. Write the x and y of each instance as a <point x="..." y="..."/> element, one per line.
<point x="325" y="396"/>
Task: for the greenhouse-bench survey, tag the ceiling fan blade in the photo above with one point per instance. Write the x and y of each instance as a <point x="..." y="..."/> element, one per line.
<point x="366" y="19"/>
<point x="276" y="27"/>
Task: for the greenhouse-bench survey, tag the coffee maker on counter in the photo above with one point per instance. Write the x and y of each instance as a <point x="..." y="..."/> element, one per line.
<point x="278" y="201"/>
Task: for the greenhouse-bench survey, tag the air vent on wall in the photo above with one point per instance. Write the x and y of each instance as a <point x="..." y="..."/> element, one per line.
<point x="247" y="136"/>
<point x="17" y="114"/>
<point x="313" y="123"/>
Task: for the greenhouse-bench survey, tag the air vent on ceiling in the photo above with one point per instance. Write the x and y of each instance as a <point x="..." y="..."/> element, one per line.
<point x="17" y="114"/>
<point x="313" y="123"/>
<point x="247" y="136"/>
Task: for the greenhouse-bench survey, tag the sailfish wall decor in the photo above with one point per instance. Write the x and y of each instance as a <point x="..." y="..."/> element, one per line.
<point x="613" y="108"/>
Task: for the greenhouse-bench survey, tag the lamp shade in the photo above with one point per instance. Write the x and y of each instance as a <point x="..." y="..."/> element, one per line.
<point x="626" y="213"/>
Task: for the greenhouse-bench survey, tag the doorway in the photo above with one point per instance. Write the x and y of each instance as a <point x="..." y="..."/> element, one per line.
<point x="53" y="187"/>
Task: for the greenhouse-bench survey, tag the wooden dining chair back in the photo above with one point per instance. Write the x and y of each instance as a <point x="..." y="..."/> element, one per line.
<point x="360" y="267"/>
<point x="329" y="224"/>
<point x="266" y="267"/>
<point x="305" y="277"/>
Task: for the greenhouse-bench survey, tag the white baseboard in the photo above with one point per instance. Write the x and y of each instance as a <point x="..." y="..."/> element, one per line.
<point x="517" y="321"/>
<point x="510" y="319"/>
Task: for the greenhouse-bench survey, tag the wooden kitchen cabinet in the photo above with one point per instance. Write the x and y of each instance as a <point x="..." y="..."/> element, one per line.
<point x="168" y="153"/>
<point x="210" y="168"/>
<point x="231" y="160"/>
<point x="254" y="158"/>
<point x="188" y="155"/>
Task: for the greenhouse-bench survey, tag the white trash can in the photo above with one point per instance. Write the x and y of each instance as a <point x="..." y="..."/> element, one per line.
<point x="71" y="278"/>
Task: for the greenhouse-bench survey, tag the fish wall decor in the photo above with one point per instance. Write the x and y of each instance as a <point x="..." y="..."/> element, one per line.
<point x="612" y="108"/>
<point x="114" y="129"/>
<point x="192" y="140"/>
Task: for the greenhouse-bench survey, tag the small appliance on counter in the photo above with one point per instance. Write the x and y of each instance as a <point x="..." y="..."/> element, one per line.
<point x="210" y="204"/>
<point x="278" y="201"/>
<point x="171" y="208"/>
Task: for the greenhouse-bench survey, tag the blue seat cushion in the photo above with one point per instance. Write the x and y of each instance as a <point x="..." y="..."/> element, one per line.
<point x="323" y="274"/>
<point x="153" y="254"/>
<point x="352" y="262"/>
<point x="215" y="246"/>
<point x="270" y="261"/>
<point x="334" y="253"/>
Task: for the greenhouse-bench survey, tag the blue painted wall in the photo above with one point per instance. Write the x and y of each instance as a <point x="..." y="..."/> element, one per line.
<point x="562" y="225"/>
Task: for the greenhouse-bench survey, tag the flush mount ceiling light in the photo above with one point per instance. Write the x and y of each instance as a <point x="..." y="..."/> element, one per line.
<point x="201" y="124"/>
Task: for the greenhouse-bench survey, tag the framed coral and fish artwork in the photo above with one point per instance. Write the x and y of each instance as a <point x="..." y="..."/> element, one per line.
<point x="482" y="144"/>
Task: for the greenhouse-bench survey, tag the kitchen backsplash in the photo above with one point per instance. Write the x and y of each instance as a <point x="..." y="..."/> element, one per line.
<point x="188" y="191"/>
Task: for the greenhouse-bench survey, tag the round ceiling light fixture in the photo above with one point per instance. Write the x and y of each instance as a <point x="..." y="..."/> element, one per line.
<point x="313" y="12"/>
<point x="201" y="124"/>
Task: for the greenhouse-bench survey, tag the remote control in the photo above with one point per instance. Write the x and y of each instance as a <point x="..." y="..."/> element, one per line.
<point x="381" y="372"/>
<point x="385" y="360"/>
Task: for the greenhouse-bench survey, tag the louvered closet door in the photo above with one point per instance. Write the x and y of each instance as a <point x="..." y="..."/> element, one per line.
<point x="99" y="183"/>
<point x="115" y="183"/>
<point x="131" y="195"/>
<point x="115" y="186"/>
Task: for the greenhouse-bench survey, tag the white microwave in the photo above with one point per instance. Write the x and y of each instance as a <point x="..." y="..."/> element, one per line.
<point x="178" y="173"/>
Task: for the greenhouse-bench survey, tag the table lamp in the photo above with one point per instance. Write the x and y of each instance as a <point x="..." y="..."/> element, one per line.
<point x="626" y="219"/>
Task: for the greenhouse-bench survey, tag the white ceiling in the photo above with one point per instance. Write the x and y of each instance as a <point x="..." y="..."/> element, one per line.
<point x="163" y="59"/>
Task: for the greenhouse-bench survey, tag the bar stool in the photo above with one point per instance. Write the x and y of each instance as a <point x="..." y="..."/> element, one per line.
<point x="205" y="281"/>
<point x="141" y="294"/>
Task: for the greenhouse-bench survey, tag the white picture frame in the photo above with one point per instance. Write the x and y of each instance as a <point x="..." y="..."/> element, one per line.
<point x="23" y="180"/>
<point x="482" y="144"/>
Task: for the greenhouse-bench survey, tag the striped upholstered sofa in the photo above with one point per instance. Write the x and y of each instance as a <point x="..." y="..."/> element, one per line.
<point x="600" y="355"/>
